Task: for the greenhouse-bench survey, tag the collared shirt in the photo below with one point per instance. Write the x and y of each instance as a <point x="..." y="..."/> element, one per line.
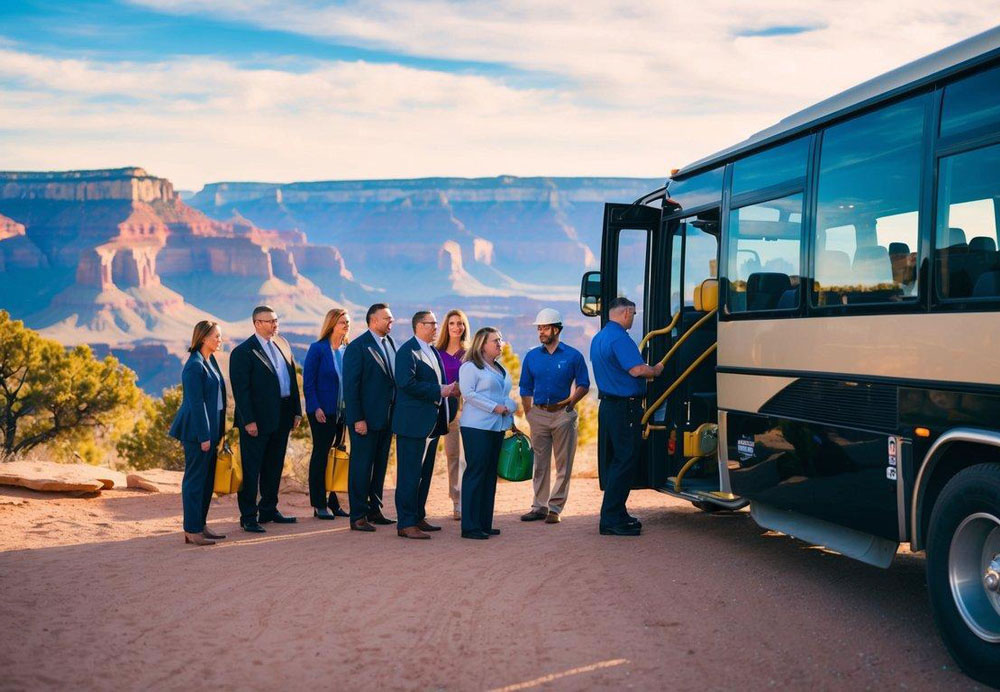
<point x="388" y="349"/>
<point x="218" y="375"/>
<point x="278" y="361"/>
<point x="432" y="360"/>
<point x="338" y="365"/>
<point x="547" y="377"/>
<point x="613" y="354"/>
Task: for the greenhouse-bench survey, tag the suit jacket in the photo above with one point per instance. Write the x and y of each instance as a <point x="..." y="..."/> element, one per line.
<point x="256" y="389"/>
<point x="420" y="410"/>
<point x="369" y="390"/>
<point x="198" y="418"/>
<point x="320" y="381"/>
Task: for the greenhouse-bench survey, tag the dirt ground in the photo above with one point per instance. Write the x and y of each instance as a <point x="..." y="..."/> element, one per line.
<point x="102" y="593"/>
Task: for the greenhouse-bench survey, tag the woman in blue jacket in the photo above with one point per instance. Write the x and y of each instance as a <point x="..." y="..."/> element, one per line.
<point x="322" y="374"/>
<point x="199" y="425"/>
<point x="487" y="412"/>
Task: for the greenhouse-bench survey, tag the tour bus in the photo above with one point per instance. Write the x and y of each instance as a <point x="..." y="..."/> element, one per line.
<point x="825" y="298"/>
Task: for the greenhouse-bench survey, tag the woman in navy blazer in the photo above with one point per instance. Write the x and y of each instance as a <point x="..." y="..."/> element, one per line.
<point x="322" y="374"/>
<point x="199" y="425"/>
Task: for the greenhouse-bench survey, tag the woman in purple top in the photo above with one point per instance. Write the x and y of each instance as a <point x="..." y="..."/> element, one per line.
<point x="452" y="342"/>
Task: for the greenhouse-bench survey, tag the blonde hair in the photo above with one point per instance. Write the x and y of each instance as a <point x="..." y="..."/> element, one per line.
<point x="444" y="336"/>
<point x="330" y="321"/>
<point x="474" y="354"/>
<point x="201" y="332"/>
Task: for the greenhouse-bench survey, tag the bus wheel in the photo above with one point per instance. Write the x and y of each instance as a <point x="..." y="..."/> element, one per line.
<point x="963" y="570"/>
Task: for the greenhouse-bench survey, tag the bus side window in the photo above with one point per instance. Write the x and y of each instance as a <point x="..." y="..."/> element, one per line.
<point x="867" y="209"/>
<point x="966" y="261"/>
<point x="763" y="264"/>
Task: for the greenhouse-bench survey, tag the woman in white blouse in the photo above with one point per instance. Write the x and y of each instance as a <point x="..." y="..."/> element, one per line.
<point x="487" y="411"/>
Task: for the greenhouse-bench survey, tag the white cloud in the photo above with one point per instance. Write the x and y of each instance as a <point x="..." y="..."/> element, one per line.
<point x="623" y="88"/>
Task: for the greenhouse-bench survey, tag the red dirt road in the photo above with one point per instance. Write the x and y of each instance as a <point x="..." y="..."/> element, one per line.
<point x="102" y="594"/>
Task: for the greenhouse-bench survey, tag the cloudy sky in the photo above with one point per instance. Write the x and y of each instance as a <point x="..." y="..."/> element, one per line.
<point x="283" y="90"/>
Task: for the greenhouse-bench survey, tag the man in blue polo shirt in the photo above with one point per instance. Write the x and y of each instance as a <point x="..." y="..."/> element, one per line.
<point x="548" y="375"/>
<point x="621" y="376"/>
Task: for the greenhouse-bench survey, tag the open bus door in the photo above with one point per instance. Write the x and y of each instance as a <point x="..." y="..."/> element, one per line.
<point x="628" y="248"/>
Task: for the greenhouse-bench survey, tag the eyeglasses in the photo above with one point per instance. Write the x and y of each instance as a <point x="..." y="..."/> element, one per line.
<point x="274" y="321"/>
<point x="434" y="324"/>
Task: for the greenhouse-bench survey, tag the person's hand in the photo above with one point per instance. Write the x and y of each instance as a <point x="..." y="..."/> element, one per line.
<point x="361" y="427"/>
<point x="296" y="421"/>
<point x="501" y="409"/>
<point x="657" y="369"/>
<point x="566" y="403"/>
<point x="251" y="429"/>
<point x="320" y="416"/>
<point x="206" y="445"/>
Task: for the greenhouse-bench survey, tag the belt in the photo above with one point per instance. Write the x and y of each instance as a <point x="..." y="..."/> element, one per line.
<point x="613" y="397"/>
<point x="551" y="408"/>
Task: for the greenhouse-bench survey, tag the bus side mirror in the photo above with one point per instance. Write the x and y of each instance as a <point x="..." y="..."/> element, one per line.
<point x="590" y="294"/>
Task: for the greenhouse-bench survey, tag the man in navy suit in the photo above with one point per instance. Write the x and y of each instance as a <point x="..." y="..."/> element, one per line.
<point x="369" y="394"/>
<point x="420" y="418"/>
<point x="266" y="392"/>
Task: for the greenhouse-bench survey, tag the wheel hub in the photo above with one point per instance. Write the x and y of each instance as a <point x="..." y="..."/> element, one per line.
<point x="974" y="574"/>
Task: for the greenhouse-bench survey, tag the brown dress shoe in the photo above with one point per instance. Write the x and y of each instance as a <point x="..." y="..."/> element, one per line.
<point x="552" y="518"/>
<point x="381" y="519"/>
<point x="411" y="532"/>
<point x="197" y="539"/>
<point x="424" y="526"/>
<point x="208" y="533"/>
<point x="534" y="515"/>
<point x="361" y="525"/>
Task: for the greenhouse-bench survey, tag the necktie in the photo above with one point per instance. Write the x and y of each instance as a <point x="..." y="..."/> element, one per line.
<point x="388" y="359"/>
<point x="279" y="369"/>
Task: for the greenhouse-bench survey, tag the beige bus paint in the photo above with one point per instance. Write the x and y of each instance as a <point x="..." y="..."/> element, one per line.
<point x="748" y="393"/>
<point x="957" y="347"/>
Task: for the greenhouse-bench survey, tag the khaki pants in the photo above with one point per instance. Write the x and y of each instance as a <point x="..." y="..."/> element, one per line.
<point x="552" y="432"/>
<point x="456" y="463"/>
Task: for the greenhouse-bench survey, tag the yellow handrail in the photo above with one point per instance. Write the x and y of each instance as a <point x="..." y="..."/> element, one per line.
<point x="694" y="327"/>
<point x="670" y="390"/>
<point x="684" y="469"/>
<point x="658" y="332"/>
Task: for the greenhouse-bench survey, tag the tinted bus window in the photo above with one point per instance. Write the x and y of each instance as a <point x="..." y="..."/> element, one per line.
<point x="971" y="104"/>
<point x="701" y="250"/>
<point x="704" y="188"/>
<point x="762" y="266"/>
<point x="632" y="257"/>
<point x="780" y="164"/>
<point x="965" y="256"/>
<point x="866" y="217"/>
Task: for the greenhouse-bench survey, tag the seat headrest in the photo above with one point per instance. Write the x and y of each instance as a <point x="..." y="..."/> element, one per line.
<point x="956" y="236"/>
<point x="706" y="295"/>
<point x="768" y="282"/>
<point x="870" y="253"/>
<point x="982" y="243"/>
<point x="899" y="249"/>
<point x="988" y="284"/>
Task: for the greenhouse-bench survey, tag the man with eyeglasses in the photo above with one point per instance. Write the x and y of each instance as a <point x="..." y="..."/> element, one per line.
<point x="266" y="393"/>
<point x="420" y="418"/>
<point x="369" y="395"/>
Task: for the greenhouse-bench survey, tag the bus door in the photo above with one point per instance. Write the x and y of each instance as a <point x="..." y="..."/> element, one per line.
<point x="629" y="245"/>
<point x="693" y="258"/>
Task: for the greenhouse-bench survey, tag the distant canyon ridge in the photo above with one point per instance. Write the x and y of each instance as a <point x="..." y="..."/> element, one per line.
<point x="119" y="260"/>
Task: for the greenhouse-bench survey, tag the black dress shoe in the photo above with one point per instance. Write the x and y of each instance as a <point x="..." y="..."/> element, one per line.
<point x="278" y="518"/>
<point x="323" y="513"/>
<point x="493" y="532"/>
<point x="338" y="512"/>
<point x="632" y="521"/>
<point x="380" y="519"/>
<point x="477" y="535"/>
<point x="334" y="504"/>
<point x="361" y="525"/>
<point x="424" y="526"/>
<point x="621" y="530"/>
<point x="252" y="527"/>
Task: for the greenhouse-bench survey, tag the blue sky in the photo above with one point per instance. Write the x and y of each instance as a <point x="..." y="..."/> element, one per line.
<point x="304" y="90"/>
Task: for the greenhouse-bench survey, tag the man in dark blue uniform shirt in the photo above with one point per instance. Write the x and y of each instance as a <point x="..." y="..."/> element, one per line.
<point x="548" y="374"/>
<point x="621" y="376"/>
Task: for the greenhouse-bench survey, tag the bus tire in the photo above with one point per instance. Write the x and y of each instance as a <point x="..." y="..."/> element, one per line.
<point x="963" y="538"/>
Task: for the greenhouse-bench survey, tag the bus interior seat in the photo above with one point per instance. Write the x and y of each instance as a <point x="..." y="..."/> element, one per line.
<point x="789" y="299"/>
<point x="988" y="284"/>
<point x="764" y="289"/>
<point x="982" y="243"/>
<point x="904" y="265"/>
<point x="956" y="238"/>
<point x="833" y="267"/>
<point x="872" y="265"/>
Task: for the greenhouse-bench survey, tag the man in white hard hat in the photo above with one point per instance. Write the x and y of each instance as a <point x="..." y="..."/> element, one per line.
<point x="553" y="380"/>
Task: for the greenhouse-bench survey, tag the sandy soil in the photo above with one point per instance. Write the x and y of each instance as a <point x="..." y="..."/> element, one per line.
<point x="102" y="593"/>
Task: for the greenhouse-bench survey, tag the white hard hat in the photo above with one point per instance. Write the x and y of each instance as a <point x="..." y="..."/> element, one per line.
<point x="548" y="316"/>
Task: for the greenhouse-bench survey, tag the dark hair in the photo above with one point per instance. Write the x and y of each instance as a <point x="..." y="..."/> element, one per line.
<point x="261" y="309"/>
<point x="201" y="332"/>
<point x="372" y="310"/>
<point x="417" y="317"/>
<point x="620" y="302"/>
